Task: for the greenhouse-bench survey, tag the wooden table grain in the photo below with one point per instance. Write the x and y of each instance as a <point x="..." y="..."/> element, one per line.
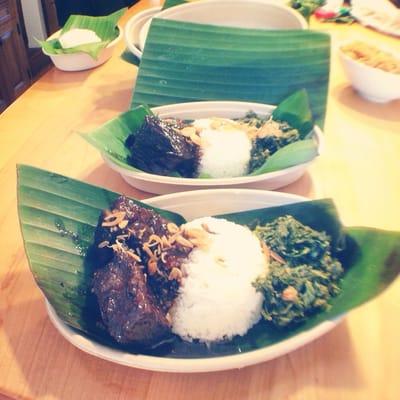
<point x="359" y="169"/>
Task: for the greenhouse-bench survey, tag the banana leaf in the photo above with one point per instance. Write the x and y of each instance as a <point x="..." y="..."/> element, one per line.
<point x="58" y="216"/>
<point x="129" y="57"/>
<point x="172" y="3"/>
<point x="184" y="62"/>
<point x="296" y="111"/>
<point x="105" y="28"/>
<point x="110" y="138"/>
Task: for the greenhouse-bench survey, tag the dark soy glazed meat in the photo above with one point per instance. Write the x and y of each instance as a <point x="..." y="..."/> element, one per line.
<point x="128" y="307"/>
<point x="138" y="271"/>
<point x="157" y="147"/>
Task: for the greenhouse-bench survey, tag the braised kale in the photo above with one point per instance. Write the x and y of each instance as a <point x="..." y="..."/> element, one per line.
<point x="265" y="147"/>
<point x="303" y="274"/>
<point x="276" y="134"/>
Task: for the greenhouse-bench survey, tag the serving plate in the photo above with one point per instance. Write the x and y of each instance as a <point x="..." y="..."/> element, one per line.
<point x="159" y="184"/>
<point x="192" y="205"/>
<point x="253" y="14"/>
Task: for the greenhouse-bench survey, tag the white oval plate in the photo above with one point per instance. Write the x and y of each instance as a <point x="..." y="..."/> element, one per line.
<point x="253" y="14"/>
<point x="193" y="205"/>
<point x="160" y="184"/>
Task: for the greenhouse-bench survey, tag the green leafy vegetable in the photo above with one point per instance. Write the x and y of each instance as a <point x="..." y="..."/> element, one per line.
<point x="292" y="154"/>
<point x="306" y="276"/>
<point x="294" y="120"/>
<point x="268" y="145"/>
<point x="105" y="27"/>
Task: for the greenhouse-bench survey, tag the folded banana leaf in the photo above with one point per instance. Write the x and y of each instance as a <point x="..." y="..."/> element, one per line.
<point x="105" y="27"/>
<point x="58" y="216"/>
<point x="110" y="138"/>
<point x="184" y="62"/>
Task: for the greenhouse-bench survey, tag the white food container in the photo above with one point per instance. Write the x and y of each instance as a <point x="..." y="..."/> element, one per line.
<point x="81" y="61"/>
<point x="373" y="84"/>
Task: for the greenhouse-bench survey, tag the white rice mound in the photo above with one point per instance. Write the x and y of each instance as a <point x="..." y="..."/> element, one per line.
<point x="224" y="153"/>
<point x="77" y="37"/>
<point x="216" y="300"/>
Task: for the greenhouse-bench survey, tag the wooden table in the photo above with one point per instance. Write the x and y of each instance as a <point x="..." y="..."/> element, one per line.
<point x="360" y="169"/>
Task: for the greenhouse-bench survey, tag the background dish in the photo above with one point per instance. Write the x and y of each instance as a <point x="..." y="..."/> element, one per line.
<point x="229" y="109"/>
<point x="192" y="205"/>
<point x="380" y="15"/>
<point x="82" y="61"/>
<point x="373" y="84"/>
<point x="255" y="14"/>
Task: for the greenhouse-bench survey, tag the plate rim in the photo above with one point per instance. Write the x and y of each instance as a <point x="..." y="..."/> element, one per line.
<point x="188" y="365"/>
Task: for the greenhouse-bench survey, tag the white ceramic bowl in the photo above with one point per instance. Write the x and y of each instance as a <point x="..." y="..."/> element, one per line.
<point x="253" y="14"/>
<point x="227" y="109"/>
<point x="371" y="83"/>
<point x="193" y="205"/>
<point x="82" y="61"/>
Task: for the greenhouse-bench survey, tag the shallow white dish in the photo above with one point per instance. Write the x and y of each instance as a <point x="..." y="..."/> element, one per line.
<point x="193" y="205"/>
<point x="160" y="184"/>
<point x="254" y="14"/>
<point x="82" y="61"/>
<point x="371" y="83"/>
